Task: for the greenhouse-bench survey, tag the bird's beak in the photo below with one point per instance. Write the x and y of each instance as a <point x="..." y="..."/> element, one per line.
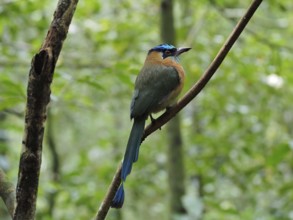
<point x="182" y="50"/>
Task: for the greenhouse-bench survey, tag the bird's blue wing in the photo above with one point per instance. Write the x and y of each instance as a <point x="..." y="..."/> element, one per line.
<point x="151" y="87"/>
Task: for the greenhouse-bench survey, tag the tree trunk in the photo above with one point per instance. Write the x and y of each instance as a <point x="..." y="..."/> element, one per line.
<point x="174" y="152"/>
<point x="175" y="166"/>
<point x="38" y="97"/>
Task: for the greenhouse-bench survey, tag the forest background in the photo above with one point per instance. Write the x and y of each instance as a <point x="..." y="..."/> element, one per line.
<point x="236" y="135"/>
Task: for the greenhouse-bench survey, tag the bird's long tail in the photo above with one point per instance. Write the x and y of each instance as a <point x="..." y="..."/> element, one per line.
<point x="130" y="156"/>
<point x="132" y="149"/>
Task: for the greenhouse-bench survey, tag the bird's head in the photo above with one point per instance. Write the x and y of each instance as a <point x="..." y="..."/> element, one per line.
<point x="168" y="50"/>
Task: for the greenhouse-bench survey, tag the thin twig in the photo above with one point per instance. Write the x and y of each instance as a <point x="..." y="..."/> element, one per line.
<point x="103" y="210"/>
<point x="55" y="167"/>
<point x="191" y="94"/>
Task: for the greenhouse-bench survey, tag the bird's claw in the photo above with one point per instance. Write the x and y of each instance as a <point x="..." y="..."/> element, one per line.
<point x="154" y="121"/>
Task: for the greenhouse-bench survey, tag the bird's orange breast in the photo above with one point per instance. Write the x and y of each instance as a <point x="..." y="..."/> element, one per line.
<point x="155" y="58"/>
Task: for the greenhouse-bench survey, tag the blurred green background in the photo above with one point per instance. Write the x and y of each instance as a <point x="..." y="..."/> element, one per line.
<point x="237" y="134"/>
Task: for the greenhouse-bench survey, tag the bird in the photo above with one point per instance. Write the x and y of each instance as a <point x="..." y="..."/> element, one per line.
<point x="157" y="87"/>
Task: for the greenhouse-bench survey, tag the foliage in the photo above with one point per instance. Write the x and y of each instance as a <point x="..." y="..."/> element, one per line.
<point x="237" y="133"/>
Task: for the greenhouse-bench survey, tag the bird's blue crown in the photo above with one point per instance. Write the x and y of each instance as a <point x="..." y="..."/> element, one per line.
<point x="163" y="47"/>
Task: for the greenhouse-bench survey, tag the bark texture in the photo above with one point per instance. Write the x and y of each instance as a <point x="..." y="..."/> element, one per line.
<point x="38" y="97"/>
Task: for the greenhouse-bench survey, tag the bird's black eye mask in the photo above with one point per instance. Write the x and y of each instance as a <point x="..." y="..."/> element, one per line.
<point x="165" y="52"/>
<point x="168" y="53"/>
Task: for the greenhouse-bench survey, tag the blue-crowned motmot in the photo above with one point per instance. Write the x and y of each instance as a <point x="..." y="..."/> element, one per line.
<point x="156" y="88"/>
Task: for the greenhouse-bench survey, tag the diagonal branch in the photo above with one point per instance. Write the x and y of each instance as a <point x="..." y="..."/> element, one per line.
<point x="191" y="94"/>
<point x="7" y="193"/>
<point x="38" y="97"/>
<point x="201" y="83"/>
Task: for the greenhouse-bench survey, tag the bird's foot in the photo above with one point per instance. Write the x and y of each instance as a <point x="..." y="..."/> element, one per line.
<point x="154" y="121"/>
<point x="168" y="108"/>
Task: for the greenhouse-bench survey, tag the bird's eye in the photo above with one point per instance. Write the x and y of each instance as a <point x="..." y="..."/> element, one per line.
<point x="168" y="52"/>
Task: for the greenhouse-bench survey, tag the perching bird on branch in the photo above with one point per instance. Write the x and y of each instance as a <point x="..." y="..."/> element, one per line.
<point x="156" y="88"/>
